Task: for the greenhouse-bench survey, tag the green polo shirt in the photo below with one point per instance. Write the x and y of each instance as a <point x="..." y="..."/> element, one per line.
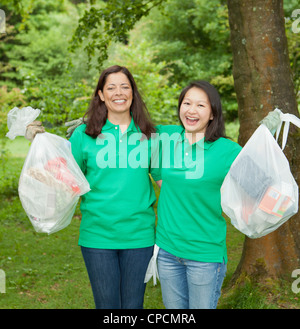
<point x="118" y="211"/>
<point x="190" y="223"/>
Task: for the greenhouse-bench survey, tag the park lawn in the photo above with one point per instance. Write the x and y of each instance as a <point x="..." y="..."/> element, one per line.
<point x="18" y="148"/>
<point x="47" y="271"/>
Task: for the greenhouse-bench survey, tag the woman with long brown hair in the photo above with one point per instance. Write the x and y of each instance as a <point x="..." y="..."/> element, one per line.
<point x="118" y="220"/>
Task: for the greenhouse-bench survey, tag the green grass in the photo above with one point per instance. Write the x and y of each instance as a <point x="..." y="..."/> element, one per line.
<point x="41" y="271"/>
<point x="47" y="271"/>
<point x="18" y="148"/>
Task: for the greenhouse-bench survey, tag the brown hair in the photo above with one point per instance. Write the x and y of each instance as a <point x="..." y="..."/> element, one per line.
<point x="216" y="126"/>
<point x="96" y="115"/>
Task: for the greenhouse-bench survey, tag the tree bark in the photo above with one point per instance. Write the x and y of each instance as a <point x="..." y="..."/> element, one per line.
<point x="263" y="81"/>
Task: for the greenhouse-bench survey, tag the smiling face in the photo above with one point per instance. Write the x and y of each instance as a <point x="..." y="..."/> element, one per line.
<point x="195" y="111"/>
<point x="117" y="94"/>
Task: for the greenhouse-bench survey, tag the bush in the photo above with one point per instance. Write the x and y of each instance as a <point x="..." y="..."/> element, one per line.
<point x="8" y="179"/>
<point x="59" y="101"/>
<point x="8" y="100"/>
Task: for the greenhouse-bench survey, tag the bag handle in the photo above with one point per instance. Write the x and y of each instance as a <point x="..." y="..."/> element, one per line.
<point x="287" y="118"/>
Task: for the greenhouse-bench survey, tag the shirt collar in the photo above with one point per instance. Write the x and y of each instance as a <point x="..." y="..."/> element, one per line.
<point x="110" y="126"/>
<point x="200" y="143"/>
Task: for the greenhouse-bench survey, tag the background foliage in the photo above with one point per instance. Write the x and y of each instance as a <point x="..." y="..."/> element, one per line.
<point x="54" y="50"/>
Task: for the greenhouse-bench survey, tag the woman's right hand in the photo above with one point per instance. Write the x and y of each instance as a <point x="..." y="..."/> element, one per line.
<point x="34" y="128"/>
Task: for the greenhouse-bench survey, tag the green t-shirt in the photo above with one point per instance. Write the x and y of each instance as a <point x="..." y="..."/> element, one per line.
<point x="118" y="211"/>
<point x="190" y="223"/>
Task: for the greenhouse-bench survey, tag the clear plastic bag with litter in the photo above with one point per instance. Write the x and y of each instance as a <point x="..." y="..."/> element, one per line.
<point x="259" y="192"/>
<point x="51" y="181"/>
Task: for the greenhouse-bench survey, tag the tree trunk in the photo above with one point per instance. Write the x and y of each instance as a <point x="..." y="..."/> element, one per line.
<point x="263" y="81"/>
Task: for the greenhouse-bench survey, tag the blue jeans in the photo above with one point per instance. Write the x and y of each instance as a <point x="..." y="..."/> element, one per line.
<point x="117" y="276"/>
<point x="188" y="284"/>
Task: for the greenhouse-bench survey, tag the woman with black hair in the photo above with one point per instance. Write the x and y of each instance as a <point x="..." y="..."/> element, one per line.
<point x="191" y="232"/>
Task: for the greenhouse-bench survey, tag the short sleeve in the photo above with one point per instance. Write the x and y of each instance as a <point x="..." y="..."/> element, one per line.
<point x="155" y="163"/>
<point x="236" y="149"/>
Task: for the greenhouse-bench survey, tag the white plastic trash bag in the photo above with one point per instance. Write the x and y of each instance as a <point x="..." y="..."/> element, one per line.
<point x="259" y="192"/>
<point x="51" y="182"/>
